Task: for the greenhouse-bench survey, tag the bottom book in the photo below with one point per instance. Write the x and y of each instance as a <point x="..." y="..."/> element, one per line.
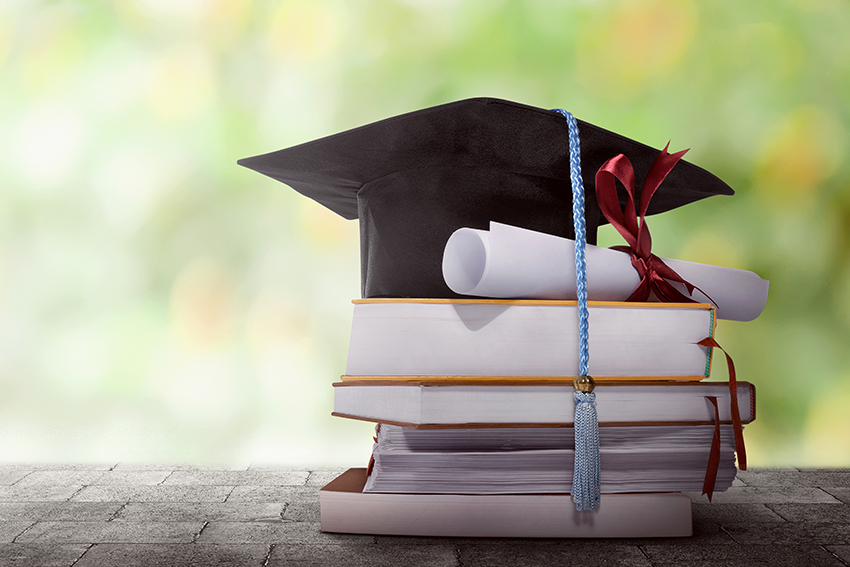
<point x="345" y="508"/>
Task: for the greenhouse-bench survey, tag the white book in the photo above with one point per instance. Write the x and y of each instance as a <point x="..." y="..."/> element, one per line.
<point x="345" y="508"/>
<point x="540" y="460"/>
<point x="538" y="404"/>
<point x="459" y="337"/>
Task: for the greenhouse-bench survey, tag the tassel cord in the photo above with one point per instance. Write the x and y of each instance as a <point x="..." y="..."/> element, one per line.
<point x="586" y="487"/>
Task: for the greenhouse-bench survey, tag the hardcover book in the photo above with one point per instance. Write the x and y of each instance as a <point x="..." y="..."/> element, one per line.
<point x="536" y="404"/>
<point x="469" y="337"/>
<point x="345" y="508"/>
<point x="540" y="460"/>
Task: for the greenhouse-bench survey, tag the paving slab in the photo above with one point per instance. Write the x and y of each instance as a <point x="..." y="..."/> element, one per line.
<point x="329" y="555"/>
<point x="156" y="467"/>
<point x="768" y="495"/>
<point x="705" y="532"/>
<point x="171" y="555"/>
<point x="303" y="510"/>
<point x="57" y="466"/>
<point x="842" y="494"/>
<point x="10" y="530"/>
<point x="38" y="493"/>
<point x="282" y="467"/>
<point x="826" y="477"/>
<point x="474" y="542"/>
<point x="322" y="477"/>
<point x="801" y="533"/>
<point x="272" y="493"/>
<point x="11" y="476"/>
<point x="60" y="478"/>
<point x="33" y="511"/>
<point x="82" y="511"/>
<point x="429" y="540"/>
<point x="311" y="533"/>
<point x="561" y="553"/>
<point x="236" y="478"/>
<point x="59" y="511"/>
<point x="201" y="511"/>
<point x="736" y="513"/>
<point x="185" y="493"/>
<point x="280" y="533"/>
<point x="792" y="478"/>
<point x="41" y="554"/>
<point x="812" y="513"/>
<point x="840" y="551"/>
<point x="742" y="556"/>
<point x="111" y="532"/>
<point x="771" y="477"/>
<point x="132" y="478"/>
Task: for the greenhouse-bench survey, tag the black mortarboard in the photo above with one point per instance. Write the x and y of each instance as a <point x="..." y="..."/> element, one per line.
<point x="414" y="179"/>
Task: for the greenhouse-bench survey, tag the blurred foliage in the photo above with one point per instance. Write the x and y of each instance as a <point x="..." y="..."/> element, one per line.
<point x="160" y="303"/>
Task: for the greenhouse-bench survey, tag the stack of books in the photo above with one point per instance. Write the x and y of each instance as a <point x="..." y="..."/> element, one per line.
<point x="475" y="397"/>
<point x="473" y="401"/>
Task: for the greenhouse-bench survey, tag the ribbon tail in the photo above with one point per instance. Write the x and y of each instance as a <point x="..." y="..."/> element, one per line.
<point x="658" y="172"/>
<point x="641" y="292"/>
<point x="623" y="220"/>
<point x="713" y="455"/>
<point x="736" y="414"/>
<point x="666" y="292"/>
<point x="657" y="266"/>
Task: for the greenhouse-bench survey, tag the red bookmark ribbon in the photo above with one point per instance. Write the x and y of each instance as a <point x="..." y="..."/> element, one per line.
<point x="714" y="454"/>
<point x="737" y="428"/>
<point x="655" y="275"/>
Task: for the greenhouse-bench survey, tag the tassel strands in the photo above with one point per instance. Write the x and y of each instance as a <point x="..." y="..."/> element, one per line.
<point x="587" y="468"/>
<point x="586" y="487"/>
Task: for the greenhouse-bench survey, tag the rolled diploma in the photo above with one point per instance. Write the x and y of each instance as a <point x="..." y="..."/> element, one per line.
<point x="512" y="262"/>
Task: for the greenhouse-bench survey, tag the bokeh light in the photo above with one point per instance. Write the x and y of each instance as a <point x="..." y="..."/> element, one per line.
<point x="158" y="303"/>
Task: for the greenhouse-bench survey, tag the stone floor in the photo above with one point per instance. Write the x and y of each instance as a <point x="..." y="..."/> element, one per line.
<point x="123" y="515"/>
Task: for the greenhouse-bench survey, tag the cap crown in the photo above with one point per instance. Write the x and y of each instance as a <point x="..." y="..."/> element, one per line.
<point x="414" y="179"/>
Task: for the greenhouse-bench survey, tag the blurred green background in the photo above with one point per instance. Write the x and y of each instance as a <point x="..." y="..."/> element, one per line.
<point x="159" y="303"/>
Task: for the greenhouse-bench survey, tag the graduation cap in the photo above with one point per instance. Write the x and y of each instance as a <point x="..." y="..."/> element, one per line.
<point x="413" y="179"/>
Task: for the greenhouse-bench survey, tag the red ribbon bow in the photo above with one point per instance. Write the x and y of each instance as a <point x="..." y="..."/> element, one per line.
<point x="654" y="274"/>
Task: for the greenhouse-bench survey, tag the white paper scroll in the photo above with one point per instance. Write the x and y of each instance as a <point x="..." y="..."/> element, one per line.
<point x="511" y="262"/>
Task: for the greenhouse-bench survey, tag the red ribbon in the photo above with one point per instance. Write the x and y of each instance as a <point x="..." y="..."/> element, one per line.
<point x="737" y="428"/>
<point x="371" y="464"/>
<point x="714" y="454"/>
<point x="654" y="274"/>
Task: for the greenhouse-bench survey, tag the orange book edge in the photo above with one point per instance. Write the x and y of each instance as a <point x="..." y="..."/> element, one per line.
<point x="515" y="379"/>
<point x="520" y="425"/>
<point x="652" y="304"/>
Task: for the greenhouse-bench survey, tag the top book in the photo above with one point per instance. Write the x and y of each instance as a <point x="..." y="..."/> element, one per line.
<point x="408" y="338"/>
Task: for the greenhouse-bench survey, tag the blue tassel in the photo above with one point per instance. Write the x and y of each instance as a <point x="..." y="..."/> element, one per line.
<point x="586" y="488"/>
<point x="586" y="472"/>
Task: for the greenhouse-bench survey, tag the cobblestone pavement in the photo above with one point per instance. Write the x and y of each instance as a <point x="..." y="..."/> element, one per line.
<point x="124" y="515"/>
